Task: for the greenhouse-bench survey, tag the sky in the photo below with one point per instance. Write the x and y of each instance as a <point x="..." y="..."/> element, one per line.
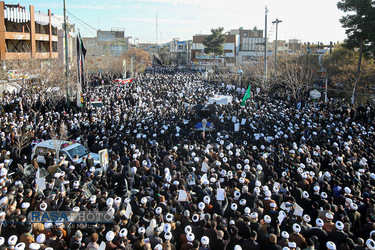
<point x="309" y="21"/>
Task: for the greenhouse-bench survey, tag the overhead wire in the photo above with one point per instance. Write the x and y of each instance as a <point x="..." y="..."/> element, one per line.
<point x="88" y="25"/>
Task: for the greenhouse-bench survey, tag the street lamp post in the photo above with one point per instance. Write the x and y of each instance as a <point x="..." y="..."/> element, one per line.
<point x="265" y="48"/>
<point x="277" y="21"/>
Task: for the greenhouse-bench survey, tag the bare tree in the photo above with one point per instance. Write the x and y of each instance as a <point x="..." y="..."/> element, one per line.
<point x="296" y="74"/>
<point x="22" y="139"/>
<point x="58" y="136"/>
<point x="254" y="72"/>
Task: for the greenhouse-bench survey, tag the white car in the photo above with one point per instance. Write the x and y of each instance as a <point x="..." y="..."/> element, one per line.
<point x="67" y="148"/>
<point x="97" y="104"/>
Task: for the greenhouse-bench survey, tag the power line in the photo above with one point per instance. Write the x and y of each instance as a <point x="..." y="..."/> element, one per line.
<point x="84" y="23"/>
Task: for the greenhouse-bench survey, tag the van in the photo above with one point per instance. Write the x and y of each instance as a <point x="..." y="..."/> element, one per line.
<point x="67" y="148"/>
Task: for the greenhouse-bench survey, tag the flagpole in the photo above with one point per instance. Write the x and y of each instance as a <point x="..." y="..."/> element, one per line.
<point x="66" y="58"/>
<point x="79" y="76"/>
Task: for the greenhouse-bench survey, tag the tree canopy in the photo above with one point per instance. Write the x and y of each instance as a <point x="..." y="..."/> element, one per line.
<point x="360" y="29"/>
<point x="359" y="24"/>
<point x="214" y="42"/>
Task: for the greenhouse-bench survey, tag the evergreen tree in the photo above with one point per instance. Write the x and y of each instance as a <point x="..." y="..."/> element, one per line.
<point x="214" y="43"/>
<point x="360" y="29"/>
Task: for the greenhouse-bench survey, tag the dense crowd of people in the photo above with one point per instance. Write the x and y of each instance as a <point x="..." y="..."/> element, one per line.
<point x="273" y="174"/>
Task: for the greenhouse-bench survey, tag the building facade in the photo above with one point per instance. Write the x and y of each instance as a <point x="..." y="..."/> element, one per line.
<point x="180" y="52"/>
<point x="251" y="45"/>
<point x="201" y="60"/>
<point x="26" y="34"/>
<point x="111" y="43"/>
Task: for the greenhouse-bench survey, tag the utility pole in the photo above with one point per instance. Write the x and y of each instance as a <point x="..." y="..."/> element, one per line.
<point x="277" y="21"/>
<point x="157" y="27"/>
<point x="265" y="49"/>
<point x="66" y="57"/>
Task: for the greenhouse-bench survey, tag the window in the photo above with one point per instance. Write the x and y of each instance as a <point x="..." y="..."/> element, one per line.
<point x="79" y="150"/>
<point x="41" y="151"/>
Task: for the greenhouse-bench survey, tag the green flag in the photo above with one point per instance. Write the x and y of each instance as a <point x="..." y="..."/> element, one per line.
<point x="246" y="96"/>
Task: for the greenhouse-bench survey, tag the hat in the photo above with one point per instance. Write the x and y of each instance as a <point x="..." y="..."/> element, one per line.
<point x="43" y="206"/>
<point x="4" y="200"/>
<point x="141" y="230"/>
<point x="167" y="227"/>
<point x="187" y="213"/>
<point x="201" y="206"/>
<point x="34" y="246"/>
<point x="109" y="202"/>
<point x="76" y="184"/>
<point x="231" y="222"/>
<point x="195" y="218"/>
<point x="205" y="240"/>
<point x="190" y="237"/>
<point x="47" y="225"/>
<point x="285" y="234"/>
<point x="93" y="198"/>
<point x="168" y="235"/>
<point x="188" y="229"/>
<point x="237" y="247"/>
<point x="370" y="243"/>
<point x="319" y="222"/>
<point x="158" y="247"/>
<point x="247" y="210"/>
<point x="233" y="206"/>
<point x="78" y="234"/>
<point x="254" y="215"/>
<point x="296" y="228"/>
<point x="12" y="240"/>
<point x="144" y="200"/>
<point x="206" y="199"/>
<point x="353" y="206"/>
<point x="117" y="200"/>
<point x="158" y="210"/>
<point x="242" y="202"/>
<point x="305" y="194"/>
<point x="169" y="217"/>
<point x="41" y="238"/>
<point x="110" y="236"/>
<point x="267" y="219"/>
<point x="324" y="195"/>
<point x="347" y="190"/>
<point x="339" y="225"/>
<point x="316" y="188"/>
<point x="329" y="216"/>
<point x="292" y="244"/>
<point x="20" y="246"/>
<point x="330" y="245"/>
<point x="237" y="194"/>
<point x="76" y="209"/>
<point x="306" y="218"/>
<point x="25" y="205"/>
<point x="273" y="204"/>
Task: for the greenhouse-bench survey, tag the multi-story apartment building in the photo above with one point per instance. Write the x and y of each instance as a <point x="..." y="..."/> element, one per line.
<point x="111" y="42"/>
<point x="180" y="52"/>
<point x="25" y="33"/>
